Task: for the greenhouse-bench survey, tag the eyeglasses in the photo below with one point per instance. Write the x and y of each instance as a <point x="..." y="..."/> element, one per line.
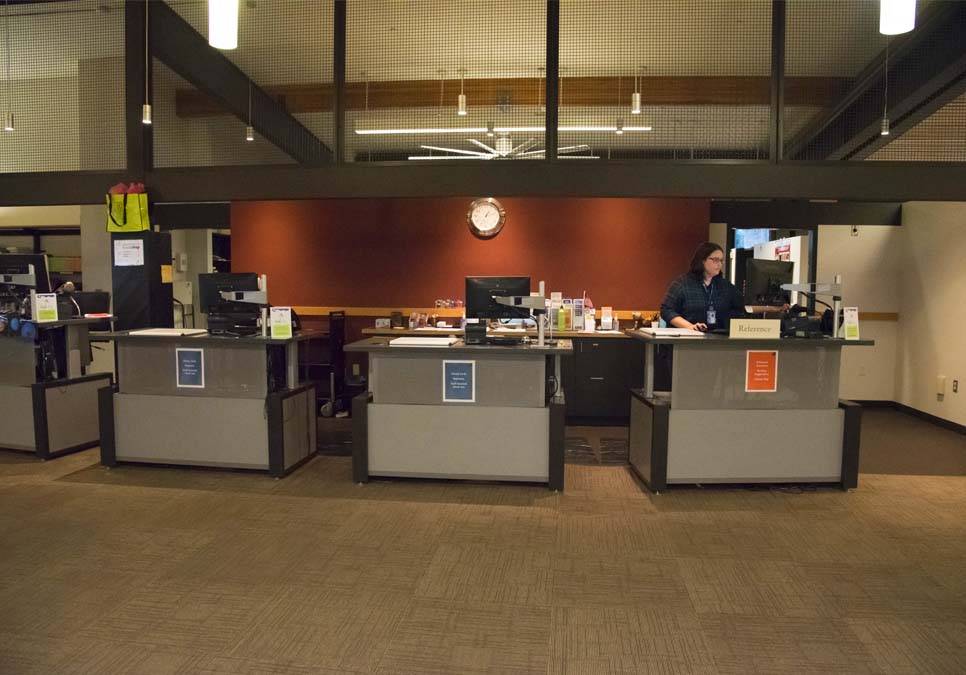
<point x="720" y="261"/>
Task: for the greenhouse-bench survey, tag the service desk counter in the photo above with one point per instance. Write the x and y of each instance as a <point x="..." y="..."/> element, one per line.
<point x="745" y="411"/>
<point x="479" y="412"/>
<point x="47" y="399"/>
<point x="233" y="402"/>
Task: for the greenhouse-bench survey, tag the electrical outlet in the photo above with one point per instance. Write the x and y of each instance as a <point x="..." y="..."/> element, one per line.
<point x="955" y="386"/>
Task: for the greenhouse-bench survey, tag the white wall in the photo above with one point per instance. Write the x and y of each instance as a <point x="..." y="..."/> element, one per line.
<point x="931" y="337"/>
<point x="869" y="264"/>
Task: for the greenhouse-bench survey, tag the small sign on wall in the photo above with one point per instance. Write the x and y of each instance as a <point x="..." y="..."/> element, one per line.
<point x="459" y="381"/>
<point x="761" y="371"/>
<point x="191" y="368"/>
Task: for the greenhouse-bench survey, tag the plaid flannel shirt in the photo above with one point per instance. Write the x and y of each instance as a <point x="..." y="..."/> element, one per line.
<point x="688" y="297"/>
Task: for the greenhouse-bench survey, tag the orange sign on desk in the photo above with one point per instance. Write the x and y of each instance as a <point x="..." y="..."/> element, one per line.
<point x="761" y="371"/>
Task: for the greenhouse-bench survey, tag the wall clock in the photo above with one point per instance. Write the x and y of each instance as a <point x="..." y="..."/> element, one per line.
<point x="485" y="217"/>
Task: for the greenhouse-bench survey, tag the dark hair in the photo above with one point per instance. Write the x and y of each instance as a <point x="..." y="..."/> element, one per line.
<point x="700" y="255"/>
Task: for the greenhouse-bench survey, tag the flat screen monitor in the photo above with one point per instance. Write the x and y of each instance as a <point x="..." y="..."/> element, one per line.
<point x="763" y="281"/>
<point x="210" y="287"/>
<point x="480" y="292"/>
<point x="17" y="263"/>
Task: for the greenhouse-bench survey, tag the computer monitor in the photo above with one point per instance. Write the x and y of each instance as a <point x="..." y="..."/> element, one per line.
<point x="763" y="281"/>
<point x="480" y="292"/>
<point x="211" y="286"/>
<point x="17" y="263"/>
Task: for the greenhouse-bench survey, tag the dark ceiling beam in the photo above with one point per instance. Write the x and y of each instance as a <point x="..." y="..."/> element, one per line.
<point x="178" y="45"/>
<point x="584" y="91"/>
<point x="792" y="214"/>
<point x="863" y="181"/>
<point x="927" y="68"/>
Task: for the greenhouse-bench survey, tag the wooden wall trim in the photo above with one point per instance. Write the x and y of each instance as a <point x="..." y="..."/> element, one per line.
<point x="458" y="311"/>
<point x="446" y="312"/>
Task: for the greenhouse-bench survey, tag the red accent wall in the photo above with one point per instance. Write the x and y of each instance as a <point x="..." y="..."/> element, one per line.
<point x="408" y="252"/>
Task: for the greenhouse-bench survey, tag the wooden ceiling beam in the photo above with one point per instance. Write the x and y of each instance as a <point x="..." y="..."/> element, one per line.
<point x="576" y="91"/>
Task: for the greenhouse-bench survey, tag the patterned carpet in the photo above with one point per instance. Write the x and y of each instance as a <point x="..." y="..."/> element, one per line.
<point x="162" y="570"/>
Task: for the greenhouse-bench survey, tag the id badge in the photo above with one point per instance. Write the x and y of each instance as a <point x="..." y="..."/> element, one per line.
<point x="712" y="316"/>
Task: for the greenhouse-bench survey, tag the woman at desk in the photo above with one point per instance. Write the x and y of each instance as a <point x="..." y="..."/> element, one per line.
<point x="702" y="299"/>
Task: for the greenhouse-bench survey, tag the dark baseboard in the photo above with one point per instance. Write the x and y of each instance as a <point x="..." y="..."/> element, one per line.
<point x="875" y="404"/>
<point x="938" y="421"/>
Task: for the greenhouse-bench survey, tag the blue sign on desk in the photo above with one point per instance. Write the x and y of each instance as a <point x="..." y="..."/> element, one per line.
<point x="459" y="381"/>
<point x="191" y="368"/>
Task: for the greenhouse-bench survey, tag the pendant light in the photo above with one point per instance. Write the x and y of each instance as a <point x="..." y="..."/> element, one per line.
<point x="249" y="130"/>
<point x="636" y="96"/>
<point x="146" y="108"/>
<point x="884" y="128"/>
<point x="223" y="24"/>
<point x="896" y="16"/>
<point x="8" y="116"/>
<point x="461" y="99"/>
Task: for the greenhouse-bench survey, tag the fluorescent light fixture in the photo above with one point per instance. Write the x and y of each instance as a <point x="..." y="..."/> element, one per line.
<point x="636" y="103"/>
<point x="223" y="24"/>
<point x="896" y="16"/>
<point x="380" y="132"/>
<point x="146" y="113"/>
<point x="8" y="122"/>
<point x="474" y="153"/>
<point x="485" y="130"/>
<point x="447" y="157"/>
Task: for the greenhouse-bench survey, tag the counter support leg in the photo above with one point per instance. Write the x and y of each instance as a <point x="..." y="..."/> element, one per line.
<point x="648" y="370"/>
<point x="360" y="437"/>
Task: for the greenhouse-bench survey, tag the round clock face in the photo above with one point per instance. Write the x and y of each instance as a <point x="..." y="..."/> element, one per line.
<point x="485" y="217"/>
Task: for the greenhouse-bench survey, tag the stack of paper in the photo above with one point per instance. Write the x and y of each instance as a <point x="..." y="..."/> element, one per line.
<point x="422" y="341"/>
<point x="672" y="332"/>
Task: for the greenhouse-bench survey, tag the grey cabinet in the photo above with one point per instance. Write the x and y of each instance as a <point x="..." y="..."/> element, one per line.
<point x="598" y="378"/>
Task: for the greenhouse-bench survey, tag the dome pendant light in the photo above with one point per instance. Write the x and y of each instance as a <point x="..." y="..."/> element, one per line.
<point x="146" y="108"/>
<point x="896" y="16"/>
<point x="223" y="24"/>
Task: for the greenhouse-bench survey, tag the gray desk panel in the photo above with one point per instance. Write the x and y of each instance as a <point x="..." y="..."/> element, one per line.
<point x="299" y="429"/>
<point x="747" y="446"/>
<point x="713" y="377"/>
<point x="232" y="369"/>
<point x="17" y="361"/>
<point x="72" y="414"/>
<point x="502" y="379"/>
<point x="462" y="442"/>
<point x="227" y="432"/>
<point x="18" y="417"/>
